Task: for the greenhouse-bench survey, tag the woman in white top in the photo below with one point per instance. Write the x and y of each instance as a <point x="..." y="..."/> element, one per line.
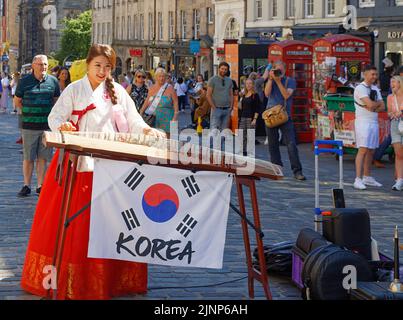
<point x="181" y="90"/>
<point x="395" y="111"/>
<point x="87" y="105"/>
<point x="6" y="100"/>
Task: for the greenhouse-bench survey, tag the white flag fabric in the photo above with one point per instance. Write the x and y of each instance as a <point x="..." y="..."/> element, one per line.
<point x="158" y="215"/>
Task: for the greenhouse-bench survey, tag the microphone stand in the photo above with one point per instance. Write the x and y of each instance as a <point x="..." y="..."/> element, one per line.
<point x="396" y="286"/>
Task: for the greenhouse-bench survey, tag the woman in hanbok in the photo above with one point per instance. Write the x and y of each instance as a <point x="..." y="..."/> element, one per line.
<point x="87" y="105"/>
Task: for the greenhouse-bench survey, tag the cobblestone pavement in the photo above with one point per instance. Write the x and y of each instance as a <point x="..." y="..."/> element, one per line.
<point x="286" y="206"/>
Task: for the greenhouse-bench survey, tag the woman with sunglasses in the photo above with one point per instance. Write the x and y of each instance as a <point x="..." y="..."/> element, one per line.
<point x="138" y="90"/>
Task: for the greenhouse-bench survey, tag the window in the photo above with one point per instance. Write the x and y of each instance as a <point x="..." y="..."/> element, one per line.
<point x="123" y="28"/>
<point x="117" y="28"/>
<point x="367" y="3"/>
<point x="309" y="9"/>
<point x="103" y="32"/>
<point x="141" y="27"/>
<point x="150" y="26"/>
<point x="274" y="8"/>
<point x="171" y="25"/>
<point x="259" y="9"/>
<point x="129" y="28"/>
<point x="232" y="29"/>
<point x="109" y="32"/>
<point x="196" y="23"/>
<point x="94" y="32"/>
<point x="160" y="26"/>
<point x="99" y="33"/>
<point x="135" y="27"/>
<point x="183" y="25"/>
<point x="330" y="8"/>
<point x="210" y="15"/>
<point x="290" y="8"/>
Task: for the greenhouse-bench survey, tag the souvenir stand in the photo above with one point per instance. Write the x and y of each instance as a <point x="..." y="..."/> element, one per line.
<point x="338" y="62"/>
<point x="297" y="55"/>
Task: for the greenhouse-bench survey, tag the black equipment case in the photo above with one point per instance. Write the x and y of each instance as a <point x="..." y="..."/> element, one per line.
<point x="350" y="228"/>
<point x="374" y="291"/>
<point x="323" y="272"/>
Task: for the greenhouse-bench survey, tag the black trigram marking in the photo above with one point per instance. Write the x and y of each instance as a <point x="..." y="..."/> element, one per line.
<point x="134" y="179"/>
<point x="191" y="186"/>
<point x="186" y="226"/>
<point x="130" y="219"/>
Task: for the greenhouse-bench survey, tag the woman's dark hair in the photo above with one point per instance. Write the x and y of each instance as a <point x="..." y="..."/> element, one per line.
<point x="105" y="50"/>
<point x="180" y="80"/>
<point x="68" y="80"/>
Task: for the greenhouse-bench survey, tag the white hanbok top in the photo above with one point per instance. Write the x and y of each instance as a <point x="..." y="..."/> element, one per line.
<point x="79" y="95"/>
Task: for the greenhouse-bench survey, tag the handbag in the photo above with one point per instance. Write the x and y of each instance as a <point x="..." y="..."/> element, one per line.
<point x="400" y="124"/>
<point x="149" y="114"/>
<point x="277" y="115"/>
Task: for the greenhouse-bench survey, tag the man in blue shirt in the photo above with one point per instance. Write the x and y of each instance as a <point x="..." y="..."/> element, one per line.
<point x="279" y="91"/>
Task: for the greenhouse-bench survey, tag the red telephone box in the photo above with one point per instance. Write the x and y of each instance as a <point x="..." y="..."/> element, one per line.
<point x="297" y="55"/>
<point x="342" y="57"/>
<point x="338" y="62"/>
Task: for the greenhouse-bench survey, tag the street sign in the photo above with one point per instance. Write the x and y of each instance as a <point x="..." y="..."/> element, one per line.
<point x="194" y="46"/>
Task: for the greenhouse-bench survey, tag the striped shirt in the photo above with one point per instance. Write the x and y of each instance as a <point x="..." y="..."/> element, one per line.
<point x="37" y="100"/>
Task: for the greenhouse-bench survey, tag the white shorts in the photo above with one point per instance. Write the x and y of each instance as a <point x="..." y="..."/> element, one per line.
<point x="366" y="134"/>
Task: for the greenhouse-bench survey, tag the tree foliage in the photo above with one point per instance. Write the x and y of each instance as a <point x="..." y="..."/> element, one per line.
<point x="76" y="37"/>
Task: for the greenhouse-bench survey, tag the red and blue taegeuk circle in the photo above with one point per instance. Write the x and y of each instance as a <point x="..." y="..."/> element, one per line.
<point x="160" y="203"/>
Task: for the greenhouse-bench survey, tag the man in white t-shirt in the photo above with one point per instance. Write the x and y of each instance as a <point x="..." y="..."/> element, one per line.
<point x="368" y="103"/>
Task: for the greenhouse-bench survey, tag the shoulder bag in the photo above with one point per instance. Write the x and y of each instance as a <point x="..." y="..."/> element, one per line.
<point x="277" y="115"/>
<point x="149" y="114"/>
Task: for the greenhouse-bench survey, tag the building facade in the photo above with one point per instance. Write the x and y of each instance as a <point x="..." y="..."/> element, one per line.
<point x="230" y="24"/>
<point x="382" y="21"/>
<point x="300" y="19"/>
<point x="34" y="38"/>
<point x="9" y="34"/>
<point x="151" y="33"/>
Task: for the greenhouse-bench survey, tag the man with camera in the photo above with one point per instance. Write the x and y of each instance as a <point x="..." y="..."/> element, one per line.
<point x="279" y="91"/>
<point x="368" y="103"/>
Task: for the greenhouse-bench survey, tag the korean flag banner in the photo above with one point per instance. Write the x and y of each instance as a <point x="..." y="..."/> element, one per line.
<point x="158" y="215"/>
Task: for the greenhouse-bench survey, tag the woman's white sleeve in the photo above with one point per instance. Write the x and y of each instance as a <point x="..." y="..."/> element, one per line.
<point x="62" y="110"/>
<point x="135" y="121"/>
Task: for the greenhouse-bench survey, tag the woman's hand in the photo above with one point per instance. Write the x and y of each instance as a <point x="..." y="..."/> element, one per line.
<point x="67" y="127"/>
<point x="253" y="123"/>
<point x="154" y="132"/>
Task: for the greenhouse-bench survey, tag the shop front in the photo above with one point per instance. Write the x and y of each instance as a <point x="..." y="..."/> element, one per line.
<point x="388" y="43"/>
<point x="159" y="57"/>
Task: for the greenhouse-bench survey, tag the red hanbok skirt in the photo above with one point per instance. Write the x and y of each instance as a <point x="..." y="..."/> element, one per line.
<point x="80" y="277"/>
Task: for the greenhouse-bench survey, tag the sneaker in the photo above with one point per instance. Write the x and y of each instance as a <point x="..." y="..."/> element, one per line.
<point x="266" y="142"/>
<point x="25" y="191"/>
<point x="370" y="181"/>
<point x="38" y="190"/>
<point x="358" y="184"/>
<point x="398" y="185"/>
<point x="19" y="141"/>
<point x="299" y="176"/>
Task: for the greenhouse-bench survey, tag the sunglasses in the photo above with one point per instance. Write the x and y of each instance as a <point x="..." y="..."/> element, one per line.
<point x="141" y="77"/>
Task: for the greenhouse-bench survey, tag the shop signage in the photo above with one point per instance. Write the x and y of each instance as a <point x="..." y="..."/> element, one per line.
<point x="194" y="46"/>
<point x="395" y="35"/>
<point x="390" y="35"/>
<point x="322" y="49"/>
<point x="220" y="51"/>
<point x="299" y="53"/>
<point x="136" y="52"/>
<point x="275" y="52"/>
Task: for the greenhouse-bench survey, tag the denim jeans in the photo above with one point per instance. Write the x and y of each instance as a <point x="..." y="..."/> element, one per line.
<point x="219" y="118"/>
<point x="288" y="137"/>
<point x="382" y="148"/>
